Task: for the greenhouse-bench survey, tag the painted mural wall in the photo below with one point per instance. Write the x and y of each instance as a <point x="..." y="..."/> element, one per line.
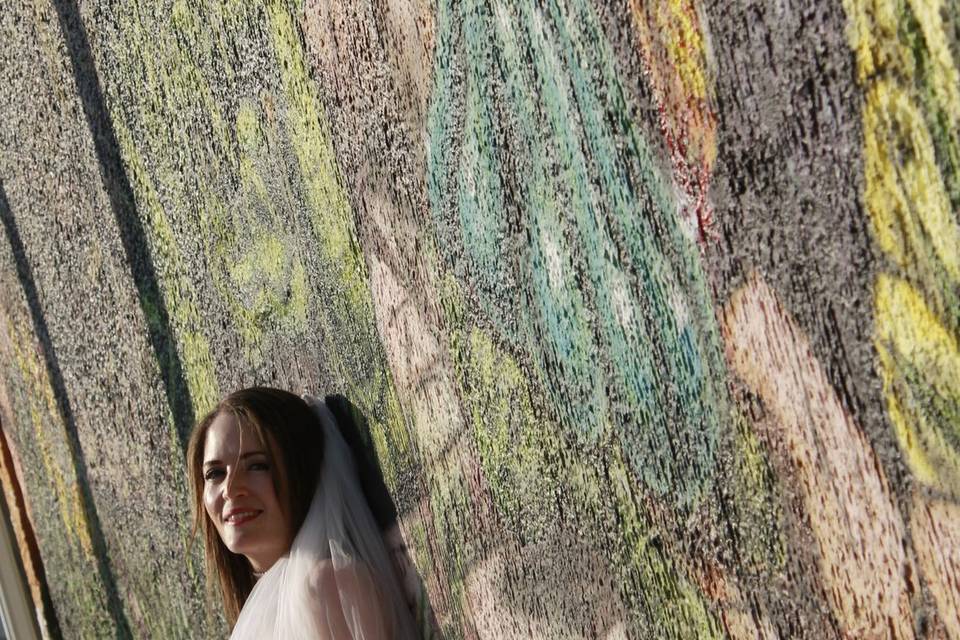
<point x="652" y="307"/>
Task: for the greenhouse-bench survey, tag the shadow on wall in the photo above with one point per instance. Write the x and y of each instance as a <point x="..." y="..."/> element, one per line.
<point x="122" y="202"/>
<point x="355" y="429"/>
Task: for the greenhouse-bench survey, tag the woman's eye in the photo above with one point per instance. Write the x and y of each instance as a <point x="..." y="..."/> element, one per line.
<point x="213" y="474"/>
<point x="259" y="466"/>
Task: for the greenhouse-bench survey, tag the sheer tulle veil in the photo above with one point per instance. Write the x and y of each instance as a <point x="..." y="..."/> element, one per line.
<point x="337" y="564"/>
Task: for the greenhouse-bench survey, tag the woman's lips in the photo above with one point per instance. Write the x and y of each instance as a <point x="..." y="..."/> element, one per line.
<point x="237" y="518"/>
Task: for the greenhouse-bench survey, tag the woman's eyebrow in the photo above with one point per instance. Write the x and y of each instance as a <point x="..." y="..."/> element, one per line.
<point x="245" y="455"/>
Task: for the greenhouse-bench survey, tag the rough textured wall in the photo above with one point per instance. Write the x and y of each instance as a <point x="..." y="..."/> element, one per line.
<point x="652" y="306"/>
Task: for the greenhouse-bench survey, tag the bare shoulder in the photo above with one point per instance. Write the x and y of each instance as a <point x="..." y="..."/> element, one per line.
<point x="353" y="576"/>
<point x="322" y="575"/>
<point x="348" y="593"/>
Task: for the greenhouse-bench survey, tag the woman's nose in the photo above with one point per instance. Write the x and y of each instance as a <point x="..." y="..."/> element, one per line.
<point x="235" y="485"/>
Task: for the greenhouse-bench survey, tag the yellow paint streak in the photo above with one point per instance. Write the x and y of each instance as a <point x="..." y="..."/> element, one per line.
<point x="908" y="330"/>
<point x="251" y="140"/>
<point x="265" y="256"/>
<point x="268" y="257"/>
<point x="325" y="195"/>
<point x="944" y="76"/>
<point x="513" y="442"/>
<point x="905" y="192"/>
<point x="917" y="333"/>
<point x="43" y="408"/>
<point x="178" y="290"/>
<point x="78" y="516"/>
<point x="684" y="45"/>
<point x="675" y="54"/>
<point x="872" y="31"/>
<point x="682" y="603"/>
<point x="911" y="151"/>
<point x="81" y="527"/>
<point x="249" y="136"/>
<point x="266" y="281"/>
<point x="329" y="210"/>
<point x="905" y="427"/>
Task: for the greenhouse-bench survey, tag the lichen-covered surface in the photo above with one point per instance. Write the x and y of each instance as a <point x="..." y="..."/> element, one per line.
<point x="652" y="306"/>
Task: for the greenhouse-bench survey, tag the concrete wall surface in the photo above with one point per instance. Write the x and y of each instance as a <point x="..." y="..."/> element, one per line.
<point x="652" y="306"/>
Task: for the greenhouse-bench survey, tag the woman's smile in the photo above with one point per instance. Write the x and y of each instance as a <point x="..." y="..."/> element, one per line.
<point x="237" y="517"/>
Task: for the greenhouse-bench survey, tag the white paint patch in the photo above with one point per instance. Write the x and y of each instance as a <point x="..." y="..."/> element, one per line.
<point x="681" y="312"/>
<point x="619" y="289"/>
<point x="552" y="259"/>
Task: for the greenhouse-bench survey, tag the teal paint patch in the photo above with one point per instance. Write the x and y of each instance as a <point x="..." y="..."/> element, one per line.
<point x="552" y="212"/>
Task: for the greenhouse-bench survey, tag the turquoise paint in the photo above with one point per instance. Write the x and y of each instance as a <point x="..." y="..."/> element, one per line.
<point x="553" y="213"/>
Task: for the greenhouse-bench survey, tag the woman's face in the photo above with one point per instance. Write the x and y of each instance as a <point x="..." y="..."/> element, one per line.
<point x="239" y="493"/>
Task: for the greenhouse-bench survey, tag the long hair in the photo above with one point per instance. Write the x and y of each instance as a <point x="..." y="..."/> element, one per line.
<point x="293" y="436"/>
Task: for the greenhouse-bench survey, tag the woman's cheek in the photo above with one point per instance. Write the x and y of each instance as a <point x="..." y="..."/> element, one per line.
<point x="210" y="504"/>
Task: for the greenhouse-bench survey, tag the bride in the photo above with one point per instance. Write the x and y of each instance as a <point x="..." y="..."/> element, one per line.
<point x="286" y="527"/>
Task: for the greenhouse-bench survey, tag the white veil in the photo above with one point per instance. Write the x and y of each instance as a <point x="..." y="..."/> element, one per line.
<point x="337" y="582"/>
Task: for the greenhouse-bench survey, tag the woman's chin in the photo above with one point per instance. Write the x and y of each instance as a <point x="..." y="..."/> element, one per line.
<point x="261" y="557"/>
<point x="243" y="543"/>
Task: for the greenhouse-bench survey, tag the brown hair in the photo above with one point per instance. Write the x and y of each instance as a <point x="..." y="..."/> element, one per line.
<point x="293" y="436"/>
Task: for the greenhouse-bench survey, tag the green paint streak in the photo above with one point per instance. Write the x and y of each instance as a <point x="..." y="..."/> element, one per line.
<point x="331" y="216"/>
<point x="935" y="76"/>
<point x="672" y="607"/>
<point x="936" y="83"/>
<point x="512" y="442"/>
<point x="173" y="274"/>
<point x="258" y="269"/>
<point x="176" y="287"/>
<point x="365" y="371"/>
<point x="753" y="502"/>
<point x="551" y="211"/>
<point x="450" y="505"/>
<point x="527" y="464"/>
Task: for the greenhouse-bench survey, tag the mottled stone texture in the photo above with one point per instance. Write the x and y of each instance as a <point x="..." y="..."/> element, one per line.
<point x="652" y="306"/>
